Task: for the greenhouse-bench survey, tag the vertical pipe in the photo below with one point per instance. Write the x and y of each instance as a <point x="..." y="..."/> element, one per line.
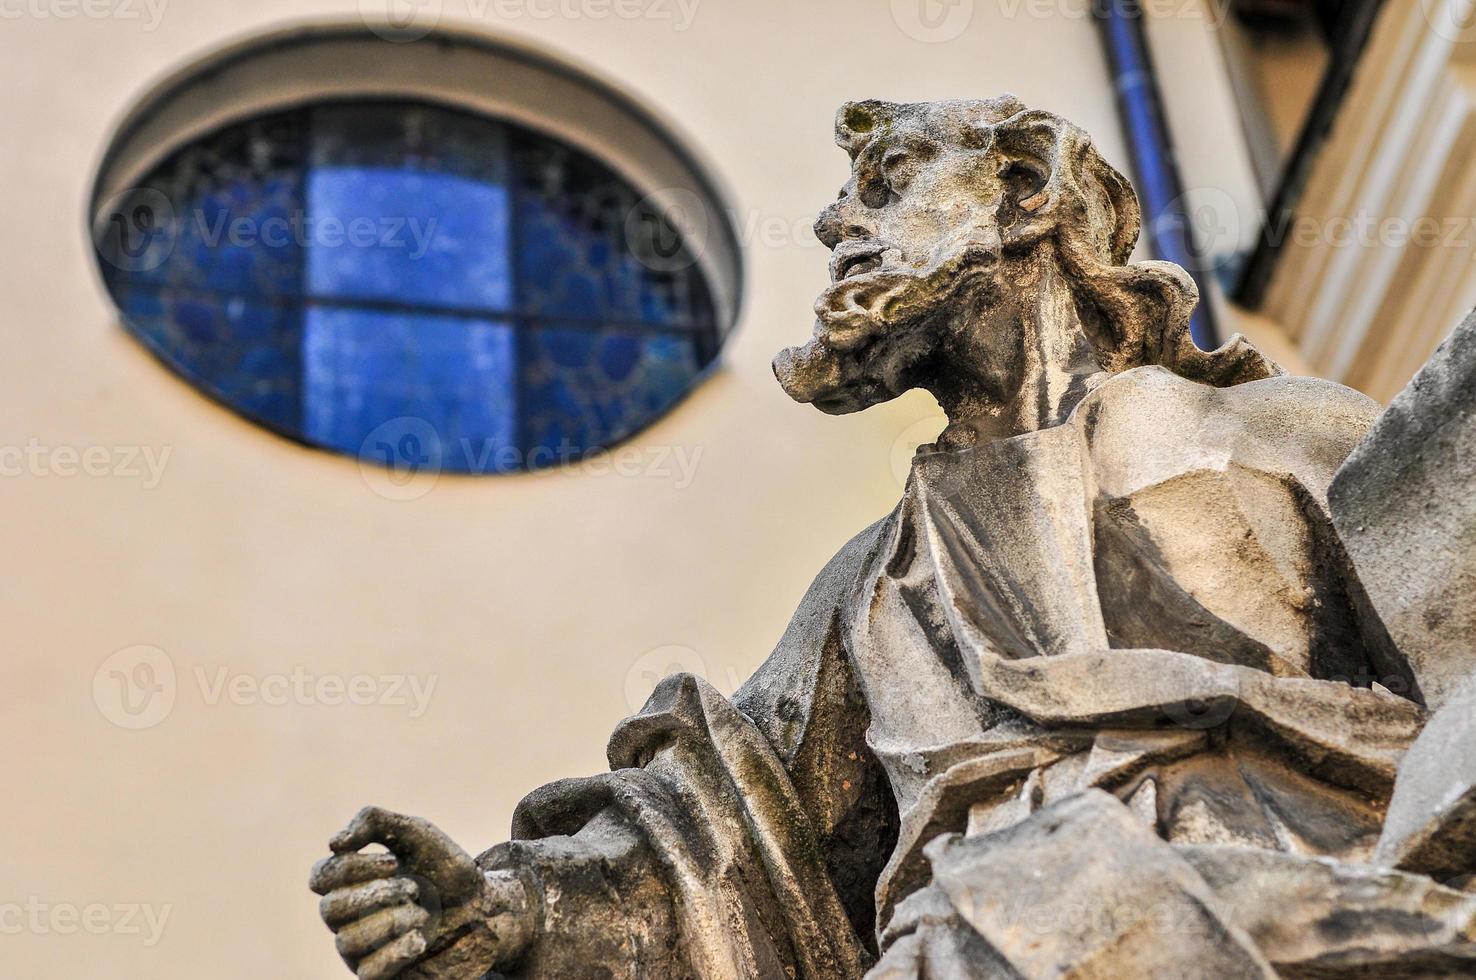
<point x="1140" y="108"/>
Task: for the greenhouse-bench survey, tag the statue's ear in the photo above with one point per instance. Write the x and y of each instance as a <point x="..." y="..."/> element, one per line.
<point x="1057" y="186"/>
<point x="1055" y="181"/>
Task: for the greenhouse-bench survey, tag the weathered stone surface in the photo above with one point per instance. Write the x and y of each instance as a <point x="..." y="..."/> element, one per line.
<point x="1431" y="826"/>
<point x="1080" y="889"/>
<point x="1312" y="917"/>
<point x="1109" y="652"/>
<point x="1404" y="505"/>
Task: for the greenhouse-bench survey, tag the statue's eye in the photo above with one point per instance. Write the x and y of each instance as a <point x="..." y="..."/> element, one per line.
<point x="901" y="165"/>
<point x="898" y="169"/>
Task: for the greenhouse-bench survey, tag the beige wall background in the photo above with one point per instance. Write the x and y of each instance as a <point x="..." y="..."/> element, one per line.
<point x="539" y="606"/>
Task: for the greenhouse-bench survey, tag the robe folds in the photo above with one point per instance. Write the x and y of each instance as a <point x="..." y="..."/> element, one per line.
<point x="1137" y="625"/>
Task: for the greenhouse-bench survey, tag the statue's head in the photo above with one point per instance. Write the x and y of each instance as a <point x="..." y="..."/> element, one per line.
<point x="956" y="209"/>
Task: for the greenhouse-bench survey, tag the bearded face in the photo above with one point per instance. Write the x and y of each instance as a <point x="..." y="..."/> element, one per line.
<point x="915" y="238"/>
<point x="953" y="212"/>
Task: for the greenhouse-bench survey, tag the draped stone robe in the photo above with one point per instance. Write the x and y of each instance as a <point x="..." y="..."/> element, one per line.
<point x="1147" y="600"/>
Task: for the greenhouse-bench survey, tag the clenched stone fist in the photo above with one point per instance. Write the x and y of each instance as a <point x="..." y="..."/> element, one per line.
<point x="423" y="910"/>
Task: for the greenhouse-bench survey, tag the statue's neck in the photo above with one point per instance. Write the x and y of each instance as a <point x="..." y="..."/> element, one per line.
<point x="1016" y="366"/>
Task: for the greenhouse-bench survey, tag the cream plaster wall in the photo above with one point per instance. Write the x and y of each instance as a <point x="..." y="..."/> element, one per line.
<point x="534" y="602"/>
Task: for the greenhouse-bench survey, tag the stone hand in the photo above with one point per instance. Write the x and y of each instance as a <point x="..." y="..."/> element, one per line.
<point x="422" y="910"/>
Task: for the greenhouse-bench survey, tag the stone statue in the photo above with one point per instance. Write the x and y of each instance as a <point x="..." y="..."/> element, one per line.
<point x="1115" y="691"/>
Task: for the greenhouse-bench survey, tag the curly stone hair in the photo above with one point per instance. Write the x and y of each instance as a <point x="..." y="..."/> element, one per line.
<point x="1134" y="314"/>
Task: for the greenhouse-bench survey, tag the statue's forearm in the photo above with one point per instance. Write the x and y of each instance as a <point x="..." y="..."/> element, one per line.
<point x="596" y="904"/>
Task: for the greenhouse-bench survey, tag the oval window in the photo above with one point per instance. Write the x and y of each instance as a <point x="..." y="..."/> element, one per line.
<point x="411" y="282"/>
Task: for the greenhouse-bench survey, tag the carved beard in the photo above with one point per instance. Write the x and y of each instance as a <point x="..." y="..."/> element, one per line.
<point x="873" y="330"/>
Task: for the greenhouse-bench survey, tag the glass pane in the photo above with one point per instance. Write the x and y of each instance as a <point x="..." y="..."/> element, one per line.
<point x="243" y="352"/>
<point x="223" y="215"/>
<point x="410" y="205"/>
<point x="364" y="369"/>
<point x="588" y="247"/>
<point x="584" y="388"/>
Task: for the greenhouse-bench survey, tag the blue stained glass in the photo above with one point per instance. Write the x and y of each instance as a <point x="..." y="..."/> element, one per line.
<point x="589" y="247"/>
<point x="241" y="239"/>
<point x="363" y="369"/>
<point x="409" y="237"/>
<point x="619" y="355"/>
<point x="553" y="275"/>
<point x="222" y="215"/>
<point x="403" y="227"/>
<point x="240" y="352"/>
<point x="585" y="388"/>
<point x="339" y="270"/>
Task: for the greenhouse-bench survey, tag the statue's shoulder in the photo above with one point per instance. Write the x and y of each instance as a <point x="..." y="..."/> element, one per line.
<point x="1155" y="395"/>
<point x="1280" y="423"/>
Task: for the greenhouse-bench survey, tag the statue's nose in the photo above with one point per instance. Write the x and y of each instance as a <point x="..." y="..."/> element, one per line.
<point x="838" y="223"/>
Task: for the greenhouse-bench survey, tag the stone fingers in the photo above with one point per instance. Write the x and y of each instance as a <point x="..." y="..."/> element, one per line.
<point x="356" y="901"/>
<point x="393" y="957"/>
<point x="342" y="870"/>
<point x="361" y="938"/>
